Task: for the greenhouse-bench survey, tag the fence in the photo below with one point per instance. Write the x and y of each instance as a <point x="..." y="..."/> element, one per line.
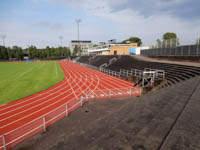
<point x="187" y="50"/>
<point x="147" y="75"/>
<point x="155" y="73"/>
<point x="110" y="72"/>
<point x="12" y="138"/>
<point x="132" y="72"/>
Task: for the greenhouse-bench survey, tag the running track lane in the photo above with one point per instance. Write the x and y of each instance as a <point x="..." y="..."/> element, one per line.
<point x="78" y="80"/>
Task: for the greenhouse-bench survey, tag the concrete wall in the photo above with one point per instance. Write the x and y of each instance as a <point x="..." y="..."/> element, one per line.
<point x="105" y="53"/>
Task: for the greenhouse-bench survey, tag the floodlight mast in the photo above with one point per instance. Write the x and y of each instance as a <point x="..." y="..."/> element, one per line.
<point x="3" y="36"/>
<point x="78" y="21"/>
<point x="61" y="38"/>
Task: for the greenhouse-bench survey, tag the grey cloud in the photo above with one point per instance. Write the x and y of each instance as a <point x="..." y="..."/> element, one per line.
<point x="57" y="26"/>
<point x="184" y="9"/>
<point x="49" y="25"/>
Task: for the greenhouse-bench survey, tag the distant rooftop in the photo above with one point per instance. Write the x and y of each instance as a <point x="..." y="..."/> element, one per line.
<point x="76" y="41"/>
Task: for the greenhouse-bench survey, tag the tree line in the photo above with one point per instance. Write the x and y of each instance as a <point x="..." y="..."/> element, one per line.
<point x="133" y="40"/>
<point x="7" y="53"/>
<point x="15" y="52"/>
<point x="48" y="52"/>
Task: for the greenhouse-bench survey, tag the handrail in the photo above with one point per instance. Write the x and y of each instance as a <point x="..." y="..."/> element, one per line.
<point x="65" y="109"/>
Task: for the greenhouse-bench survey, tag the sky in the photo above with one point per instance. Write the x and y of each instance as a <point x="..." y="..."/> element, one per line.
<point x="41" y="22"/>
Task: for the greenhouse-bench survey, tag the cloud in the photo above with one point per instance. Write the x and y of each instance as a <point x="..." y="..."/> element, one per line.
<point x="146" y="19"/>
<point x="50" y="25"/>
<point x="106" y="19"/>
<point x="184" y="9"/>
<point x="24" y="35"/>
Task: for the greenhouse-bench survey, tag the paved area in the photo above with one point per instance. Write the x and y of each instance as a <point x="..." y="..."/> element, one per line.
<point x="186" y="63"/>
<point x="162" y="120"/>
<point x="185" y="134"/>
<point x="75" y="124"/>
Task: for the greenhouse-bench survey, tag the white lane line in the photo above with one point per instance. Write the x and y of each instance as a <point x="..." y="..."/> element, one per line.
<point x="49" y="91"/>
<point x="68" y="95"/>
<point x="56" y="69"/>
<point x="109" y="82"/>
<point x="27" y="115"/>
<point x="69" y="69"/>
<point x="73" y="81"/>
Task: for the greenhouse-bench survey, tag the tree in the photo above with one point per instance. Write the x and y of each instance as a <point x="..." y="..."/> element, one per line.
<point x="159" y="43"/>
<point x="21" y="54"/>
<point x="66" y="51"/>
<point x="31" y="52"/>
<point x="169" y="35"/>
<point x="3" y="52"/>
<point x="133" y="40"/>
<point x="170" y="39"/>
<point x="95" y="45"/>
<point x="17" y="52"/>
<point x="76" y="50"/>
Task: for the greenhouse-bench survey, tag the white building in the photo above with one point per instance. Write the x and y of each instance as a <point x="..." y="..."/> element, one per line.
<point x="99" y="49"/>
<point x="138" y="49"/>
<point x="84" y="46"/>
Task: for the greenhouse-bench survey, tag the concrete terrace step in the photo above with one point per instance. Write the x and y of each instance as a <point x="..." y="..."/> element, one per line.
<point x="174" y="72"/>
<point x="185" y="134"/>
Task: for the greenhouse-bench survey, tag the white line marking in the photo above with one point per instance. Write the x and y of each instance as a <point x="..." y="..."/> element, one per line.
<point x="56" y="69"/>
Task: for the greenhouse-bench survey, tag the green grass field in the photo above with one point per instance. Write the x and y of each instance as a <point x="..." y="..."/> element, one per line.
<point x="18" y="80"/>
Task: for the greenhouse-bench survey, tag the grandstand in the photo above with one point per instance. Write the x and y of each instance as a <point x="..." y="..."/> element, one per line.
<point x="97" y="61"/>
<point x="174" y="73"/>
<point x="161" y="120"/>
<point x="156" y="120"/>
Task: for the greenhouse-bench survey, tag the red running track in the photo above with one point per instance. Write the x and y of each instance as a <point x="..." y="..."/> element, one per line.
<point x="78" y="81"/>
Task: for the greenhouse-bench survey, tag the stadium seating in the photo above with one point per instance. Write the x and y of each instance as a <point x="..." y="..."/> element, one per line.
<point x="174" y="73"/>
<point x="97" y="61"/>
<point x="84" y="59"/>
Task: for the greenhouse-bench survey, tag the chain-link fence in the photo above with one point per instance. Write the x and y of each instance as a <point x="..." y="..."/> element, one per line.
<point x="172" y="47"/>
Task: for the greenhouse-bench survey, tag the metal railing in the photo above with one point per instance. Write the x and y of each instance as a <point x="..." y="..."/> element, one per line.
<point x="12" y="138"/>
<point x="103" y="66"/>
<point x="156" y="73"/>
<point x="112" y="60"/>
<point x="93" y="57"/>
<point x="132" y="72"/>
<point x="146" y="75"/>
<point x="137" y="73"/>
<point x="110" y="72"/>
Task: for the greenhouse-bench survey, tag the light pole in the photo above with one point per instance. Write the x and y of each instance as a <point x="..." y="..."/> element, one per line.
<point x="3" y="36"/>
<point x="61" y="38"/>
<point x="78" y="21"/>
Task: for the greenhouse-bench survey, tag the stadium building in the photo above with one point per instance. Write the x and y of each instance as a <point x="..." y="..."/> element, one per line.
<point x="84" y="46"/>
<point x="114" y="49"/>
